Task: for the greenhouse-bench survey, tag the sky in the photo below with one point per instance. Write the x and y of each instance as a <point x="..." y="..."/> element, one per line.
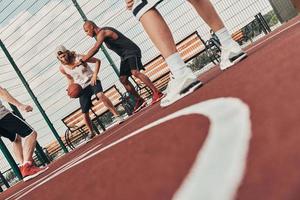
<point x="31" y="30"/>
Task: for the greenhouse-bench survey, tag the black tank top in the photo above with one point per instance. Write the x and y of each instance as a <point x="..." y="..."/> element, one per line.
<point x="122" y="46"/>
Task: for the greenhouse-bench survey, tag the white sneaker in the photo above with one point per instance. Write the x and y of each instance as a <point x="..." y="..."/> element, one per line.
<point x="119" y="119"/>
<point x="231" y="55"/>
<point x="89" y="137"/>
<point x="180" y="87"/>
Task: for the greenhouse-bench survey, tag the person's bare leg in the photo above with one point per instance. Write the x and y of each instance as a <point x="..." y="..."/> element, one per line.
<point x="145" y="79"/>
<point x="29" y="146"/>
<point x="18" y="149"/>
<point x="159" y="32"/>
<point x="106" y="101"/>
<point x="88" y="122"/>
<point x="208" y="13"/>
<point x="129" y="87"/>
<point x="231" y="51"/>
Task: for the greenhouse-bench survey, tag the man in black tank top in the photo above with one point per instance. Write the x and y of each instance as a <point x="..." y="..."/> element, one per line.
<point x="130" y="54"/>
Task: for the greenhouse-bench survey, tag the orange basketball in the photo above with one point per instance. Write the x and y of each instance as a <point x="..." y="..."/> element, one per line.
<point x="74" y="90"/>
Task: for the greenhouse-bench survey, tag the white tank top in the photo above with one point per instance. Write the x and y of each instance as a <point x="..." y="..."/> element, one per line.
<point x="82" y="75"/>
<point x="3" y="110"/>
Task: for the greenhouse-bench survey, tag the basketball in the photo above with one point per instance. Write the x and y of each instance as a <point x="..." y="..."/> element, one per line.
<point x="74" y="90"/>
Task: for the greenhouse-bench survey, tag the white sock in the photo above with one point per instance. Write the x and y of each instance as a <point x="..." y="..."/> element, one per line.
<point x="224" y="37"/>
<point x="176" y="64"/>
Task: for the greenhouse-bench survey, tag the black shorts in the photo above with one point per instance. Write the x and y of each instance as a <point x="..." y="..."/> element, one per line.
<point x="11" y="126"/>
<point x="131" y="63"/>
<point x="85" y="98"/>
<point x="141" y="7"/>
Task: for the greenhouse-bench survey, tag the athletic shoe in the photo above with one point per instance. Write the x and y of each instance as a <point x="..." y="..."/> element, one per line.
<point x="119" y="119"/>
<point x="180" y="87"/>
<point x="90" y="136"/>
<point x="231" y="55"/>
<point x="139" y="104"/>
<point x="29" y="171"/>
<point x="156" y="97"/>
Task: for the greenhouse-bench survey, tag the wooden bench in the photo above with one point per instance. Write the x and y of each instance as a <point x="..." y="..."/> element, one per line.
<point x="157" y="69"/>
<point x="238" y="36"/>
<point x="74" y="121"/>
<point x="53" y="148"/>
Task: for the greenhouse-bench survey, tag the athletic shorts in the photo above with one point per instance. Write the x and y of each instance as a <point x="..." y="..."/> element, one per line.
<point x="85" y="98"/>
<point x="131" y="63"/>
<point x="140" y="7"/>
<point x="11" y="126"/>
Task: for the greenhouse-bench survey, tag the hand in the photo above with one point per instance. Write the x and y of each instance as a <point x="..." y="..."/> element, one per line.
<point x="94" y="80"/>
<point x="26" y="108"/>
<point x="129" y="4"/>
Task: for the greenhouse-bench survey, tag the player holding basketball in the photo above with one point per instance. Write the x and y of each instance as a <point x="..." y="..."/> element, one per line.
<point x="184" y="81"/>
<point x="14" y="128"/>
<point x="130" y="54"/>
<point x="88" y="80"/>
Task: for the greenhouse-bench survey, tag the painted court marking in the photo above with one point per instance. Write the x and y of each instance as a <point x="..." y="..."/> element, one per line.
<point x="220" y="164"/>
<point x="228" y="141"/>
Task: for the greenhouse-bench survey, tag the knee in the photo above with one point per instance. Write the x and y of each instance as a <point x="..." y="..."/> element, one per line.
<point x="32" y="135"/>
<point x="101" y="96"/>
<point x="124" y="80"/>
<point x="18" y="139"/>
<point x="86" y="115"/>
<point x="135" y="73"/>
<point x="194" y="1"/>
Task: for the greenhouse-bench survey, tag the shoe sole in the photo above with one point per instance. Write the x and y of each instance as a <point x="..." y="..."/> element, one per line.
<point x="234" y="60"/>
<point x="139" y="108"/>
<point x="27" y="178"/>
<point x="120" y="122"/>
<point x="190" y="89"/>
<point x="238" y="58"/>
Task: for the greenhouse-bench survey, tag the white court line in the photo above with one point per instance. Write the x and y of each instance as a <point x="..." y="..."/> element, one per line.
<point x="54" y="172"/>
<point x="219" y="167"/>
<point x="254" y="46"/>
<point x="71" y="162"/>
<point x="223" y="109"/>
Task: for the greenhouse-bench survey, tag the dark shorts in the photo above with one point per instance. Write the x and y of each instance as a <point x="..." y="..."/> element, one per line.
<point x="11" y="126"/>
<point x="141" y="7"/>
<point x="85" y="98"/>
<point x="131" y="63"/>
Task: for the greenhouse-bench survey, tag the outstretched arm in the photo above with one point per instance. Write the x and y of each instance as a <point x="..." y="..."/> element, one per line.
<point x="4" y="94"/>
<point x="100" y="39"/>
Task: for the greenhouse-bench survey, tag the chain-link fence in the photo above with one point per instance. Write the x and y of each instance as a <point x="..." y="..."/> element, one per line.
<point x="32" y="29"/>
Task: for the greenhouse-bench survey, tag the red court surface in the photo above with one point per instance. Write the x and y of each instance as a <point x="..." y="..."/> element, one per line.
<point x="247" y="144"/>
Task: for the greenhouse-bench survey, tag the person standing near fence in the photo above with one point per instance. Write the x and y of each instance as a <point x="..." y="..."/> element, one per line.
<point x="130" y="54"/>
<point x="15" y="128"/>
<point x="184" y="81"/>
<point x="88" y="80"/>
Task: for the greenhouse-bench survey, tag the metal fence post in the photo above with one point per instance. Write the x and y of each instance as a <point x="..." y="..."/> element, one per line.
<point x="38" y="147"/>
<point x="12" y="62"/>
<point x="83" y="16"/>
<point x="10" y="160"/>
